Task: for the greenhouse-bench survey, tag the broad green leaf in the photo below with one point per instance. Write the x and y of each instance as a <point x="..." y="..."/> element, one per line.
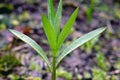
<point x="58" y="18"/>
<point x="50" y="33"/>
<point x="80" y="41"/>
<point x="51" y="12"/>
<point x="33" y="44"/>
<point x="67" y="28"/>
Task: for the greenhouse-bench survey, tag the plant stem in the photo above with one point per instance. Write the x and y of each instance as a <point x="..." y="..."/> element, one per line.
<point x="54" y="69"/>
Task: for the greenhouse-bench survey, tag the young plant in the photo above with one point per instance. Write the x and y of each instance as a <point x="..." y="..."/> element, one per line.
<point x="56" y="37"/>
<point x="7" y="63"/>
<point x="98" y="74"/>
<point x="101" y="61"/>
<point x="89" y="10"/>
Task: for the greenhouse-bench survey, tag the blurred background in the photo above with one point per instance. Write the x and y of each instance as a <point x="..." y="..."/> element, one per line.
<point x="98" y="59"/>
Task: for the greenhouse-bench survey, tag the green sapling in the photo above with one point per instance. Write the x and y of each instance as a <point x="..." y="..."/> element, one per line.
<point x="51" y="26"/>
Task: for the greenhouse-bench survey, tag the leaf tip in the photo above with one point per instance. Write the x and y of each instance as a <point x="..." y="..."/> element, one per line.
<point x="10" y="30"/>
<point x="103" y="28"/>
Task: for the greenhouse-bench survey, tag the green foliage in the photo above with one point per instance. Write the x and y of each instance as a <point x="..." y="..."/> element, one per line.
<point x="50" y="33"/>
<point x="98" y="74"/>
<point x="34" y="66"/>
<point x="80" y="41"/>
<point x="8" y="62"/>
<point x="4" y="21"/>
<point x="117" y="13"/>
<point x="51" y="26"/>
<point x="87" y="75"/>
<point x="89" y="10"/>
<point x="51" y="12"/>
<point x="37" y="78"/>
<point x="62" y="73"/>
<point x="58" y="17"/>
<point x="88" y="46"/>
<point x="2" y="26"/>
<point x="66" y="30"/>
<point x="15" y="77"/>
<point x="117" y="65"/>
<point x="101" y="61"/>
<point x="103" y="7"/>
<point x="6" y="7"/>
<point x="28" y="1"/>
<point x="33" y="44"/>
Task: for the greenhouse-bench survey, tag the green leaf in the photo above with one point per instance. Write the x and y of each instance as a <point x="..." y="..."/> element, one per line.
<point x="67" y="28"/>
<point x="80" y="41"/>
<point x="33" y="44"/>
<point x="51" y="12"/>
<point x="58" y="18"/>
<point x="98" y="74"/>
<point x="100" y="58"/>
<point x="49" y="31"/>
